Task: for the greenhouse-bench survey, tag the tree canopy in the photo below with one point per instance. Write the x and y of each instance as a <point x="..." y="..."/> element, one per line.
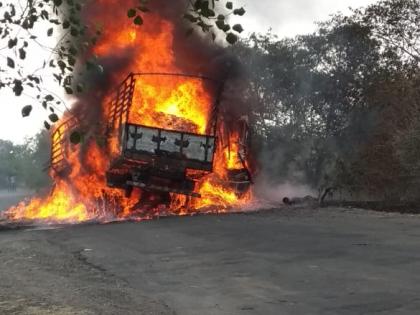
<point x="27" y="162"/>
<point x="340" y="107"/>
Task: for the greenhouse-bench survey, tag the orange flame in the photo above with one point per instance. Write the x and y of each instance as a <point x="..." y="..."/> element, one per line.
<point x="58" y="207"/>
<point x="170" y="103"/>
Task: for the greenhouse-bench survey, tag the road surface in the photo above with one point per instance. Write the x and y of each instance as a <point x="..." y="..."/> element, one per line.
<point x="285" y="261"/>
<point x="8" y="199"/>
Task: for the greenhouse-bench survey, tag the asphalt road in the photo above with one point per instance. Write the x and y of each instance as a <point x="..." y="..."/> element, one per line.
<point x="8" y="199"/>
<point x="289" y="261"/>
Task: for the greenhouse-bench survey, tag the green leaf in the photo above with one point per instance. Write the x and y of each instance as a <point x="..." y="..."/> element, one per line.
<point x="71" y="60"/>
<point x="74" y="31"/>
<point x="44" y="14"/>
<point x="75" y="137"/>
<point x="12" y="43"/>
<point x="231" y="38"/>
<point x="66" y="24"/>
<point x="238" y="28"/>
<point x="17" y="87"/>
<point x="197" y="4"/>
<point x="50" y="31"/>
<point x="239" y="12"/>
<point x="226" y="28"/>
<point x="220" y="24"/>
<point x="53" y="117"/>
<point x="62" y="65"/>
<point x="69" y="90"/>
<point x="131" y="13"/>
<point x="208" y="13"/>
<point x="47" y="125"/>
<point x="34" y="79"/>
<point x="204" y="5"/>
<point x="229" y="5"/>
<point x="26" y="111"/>
<point x="138" y="20"/>
<point x="22" y="53"/>
<point x="10" y="62"/>
<point x="49" y="98"/>
<point x="57" y="3"/>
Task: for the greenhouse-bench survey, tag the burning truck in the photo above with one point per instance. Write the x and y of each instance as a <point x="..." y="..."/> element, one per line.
<point x="153" y="143"/>
<point x="162" y="159"/>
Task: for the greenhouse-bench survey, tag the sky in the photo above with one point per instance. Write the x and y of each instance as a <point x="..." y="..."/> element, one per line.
<point x="286" y="18"/>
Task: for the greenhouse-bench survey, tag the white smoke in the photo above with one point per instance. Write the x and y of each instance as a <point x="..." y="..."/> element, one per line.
<point x="276" y="193"/>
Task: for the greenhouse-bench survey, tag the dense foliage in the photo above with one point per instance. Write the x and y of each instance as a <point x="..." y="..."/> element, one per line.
<point x="340" y="108"/>
<point x="28" y="162"/>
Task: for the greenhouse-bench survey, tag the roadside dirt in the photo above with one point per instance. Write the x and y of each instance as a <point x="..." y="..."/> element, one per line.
<point x="39" y="276"/>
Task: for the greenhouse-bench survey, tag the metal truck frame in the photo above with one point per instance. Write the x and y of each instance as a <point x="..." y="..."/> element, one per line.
<point x="154" y="159"/>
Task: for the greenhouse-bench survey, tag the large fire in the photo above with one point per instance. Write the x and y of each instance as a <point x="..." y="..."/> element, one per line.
<point x="171" y="103"/>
